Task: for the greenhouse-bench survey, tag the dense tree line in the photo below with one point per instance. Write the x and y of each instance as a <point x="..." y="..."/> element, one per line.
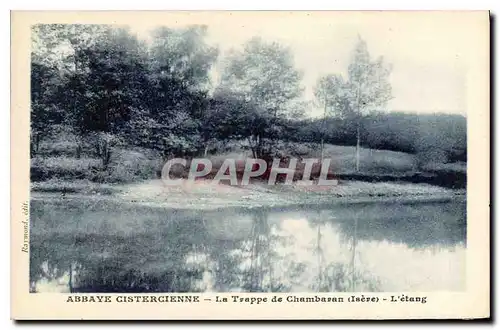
<point x="427" y="135"/>
<point x="113" y="89"/>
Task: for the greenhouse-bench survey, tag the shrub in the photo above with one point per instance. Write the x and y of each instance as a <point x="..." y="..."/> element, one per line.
<point x="124" y="166"/>
<point x="63" y="168"/>
<point x="130" y="165"/>
<point x="431" y="156"/>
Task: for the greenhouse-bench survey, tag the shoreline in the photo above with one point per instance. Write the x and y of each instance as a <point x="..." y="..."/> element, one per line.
<point x="203" y="196"/>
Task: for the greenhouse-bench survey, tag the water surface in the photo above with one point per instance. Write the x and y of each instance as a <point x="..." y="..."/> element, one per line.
<point x="80" y="245"/>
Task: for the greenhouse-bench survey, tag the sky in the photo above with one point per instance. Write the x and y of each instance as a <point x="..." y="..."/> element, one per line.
<point x="428" y="54"/>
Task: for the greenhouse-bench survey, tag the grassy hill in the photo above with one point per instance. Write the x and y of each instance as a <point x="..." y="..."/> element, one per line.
<point x="56" y="169"/>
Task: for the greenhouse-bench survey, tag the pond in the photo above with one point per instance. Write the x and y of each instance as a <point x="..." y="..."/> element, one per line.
<point x="97" y="245"/>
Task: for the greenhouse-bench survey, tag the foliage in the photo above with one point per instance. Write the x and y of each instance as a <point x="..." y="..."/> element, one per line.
<point x="97" y="90"/>
<point x="367" y="89"/>
<point x="264" y="81"/>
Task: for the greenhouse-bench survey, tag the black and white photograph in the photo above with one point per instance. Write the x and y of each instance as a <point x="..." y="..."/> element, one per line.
<point x="281" y="154"/>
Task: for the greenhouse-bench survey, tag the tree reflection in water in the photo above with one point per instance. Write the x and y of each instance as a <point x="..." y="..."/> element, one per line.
<point x="258" y="250"/>
<point x="178" y="261"/>
<point x="142" y="262"/>
<point x="248" y="264"/>
<point x="338" y="276"/>
<point x="267" y="261"/>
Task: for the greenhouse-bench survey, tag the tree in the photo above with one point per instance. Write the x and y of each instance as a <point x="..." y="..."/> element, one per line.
<point x="115" y="77"/>
<point x="235" y="118"/>
<point x="369" y="87"/>
<point x="263" y="75"/>
<point x="331" y="93"/>
<point x="183" y="55"/>
<point x="44" y="113"/>
<point x="60" y="47"/>
<point x="179" y="65"/>
<point x="47" y="55"/>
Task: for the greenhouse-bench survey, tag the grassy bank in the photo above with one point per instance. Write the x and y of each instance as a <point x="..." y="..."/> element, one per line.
<point x="204" y="195"/>
<point x="132" y="176"/>
<point x="57" y="165"/>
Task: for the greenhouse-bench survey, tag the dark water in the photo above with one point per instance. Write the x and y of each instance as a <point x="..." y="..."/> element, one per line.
<point x="82" y="245"/>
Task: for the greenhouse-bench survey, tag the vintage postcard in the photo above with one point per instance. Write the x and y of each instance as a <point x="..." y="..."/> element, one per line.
<point x="250" y="165"/>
